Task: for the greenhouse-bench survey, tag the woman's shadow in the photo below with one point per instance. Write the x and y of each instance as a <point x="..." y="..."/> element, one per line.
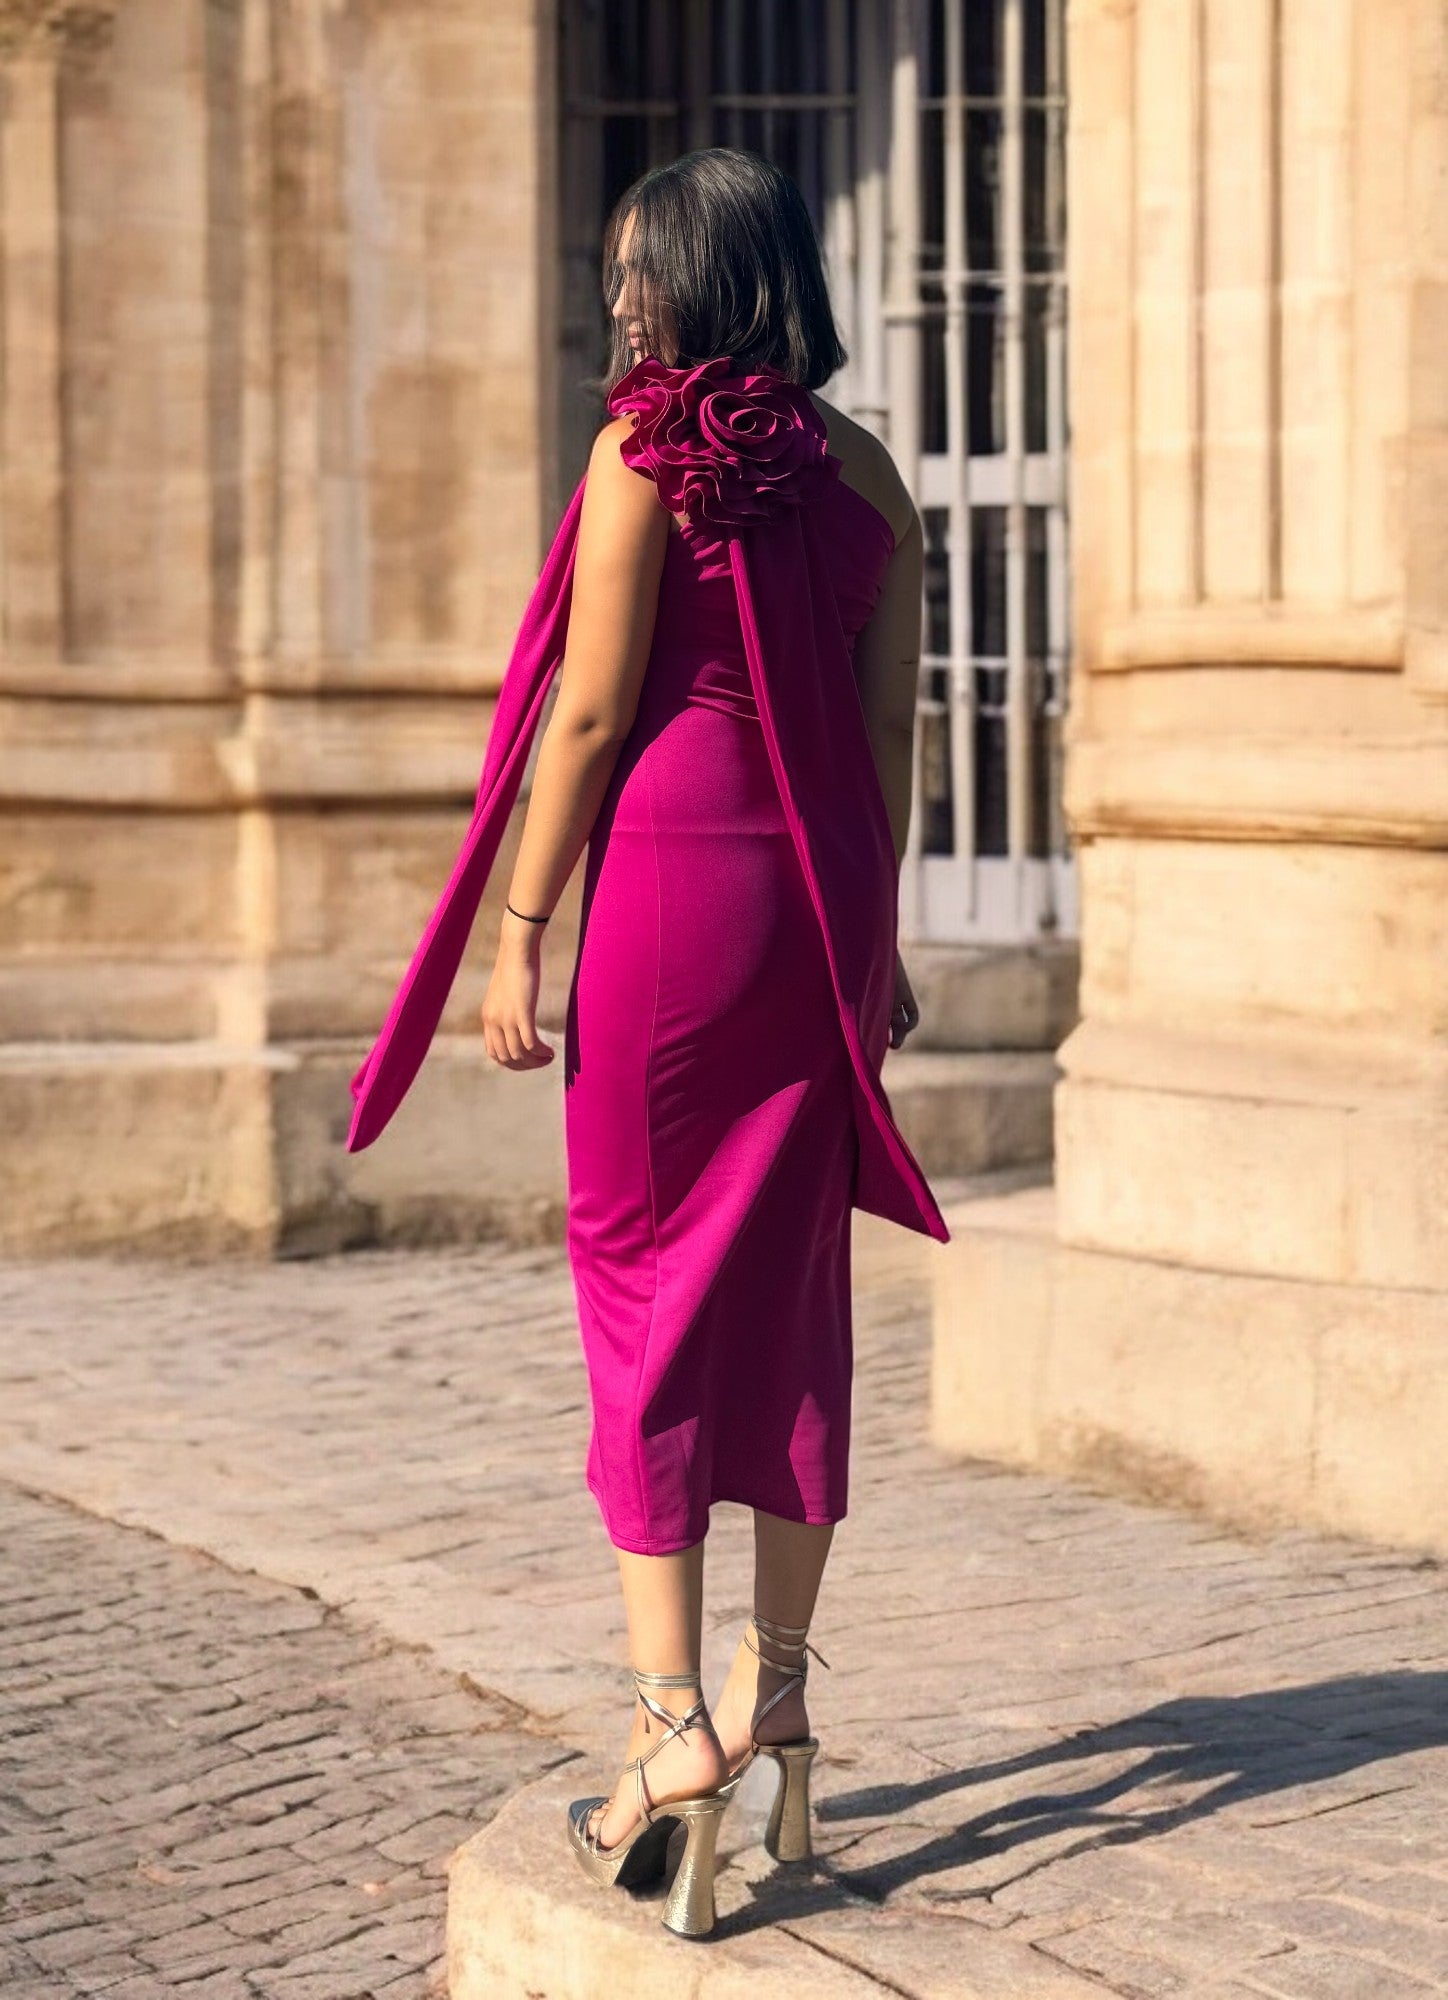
<point x="1229" y="1748"/>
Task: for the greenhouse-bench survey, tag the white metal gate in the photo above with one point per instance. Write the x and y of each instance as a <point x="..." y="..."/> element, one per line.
<point x="928" y="137"/>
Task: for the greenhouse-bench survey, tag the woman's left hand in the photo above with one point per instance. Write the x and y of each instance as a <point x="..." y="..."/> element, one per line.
<point x="510" y="1007"/>
<point x="905" y="1015"/>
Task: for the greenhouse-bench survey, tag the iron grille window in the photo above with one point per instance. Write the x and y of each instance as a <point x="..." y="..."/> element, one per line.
<point x="990" y="254"/>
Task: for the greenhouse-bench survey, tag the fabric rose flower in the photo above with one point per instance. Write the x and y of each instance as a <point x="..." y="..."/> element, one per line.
<point x="724" y="448"/>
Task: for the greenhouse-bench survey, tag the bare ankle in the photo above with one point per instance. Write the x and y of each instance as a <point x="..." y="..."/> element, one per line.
<point x="781" y="1656"/>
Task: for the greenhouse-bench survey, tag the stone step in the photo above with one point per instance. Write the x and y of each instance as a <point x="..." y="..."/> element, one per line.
<point x="970" y="1112"/>
<point x="245" y="1154"/>
<point x="524" y="1921"/>
<point x="1222" y="1391"/>
<point x="994" y="996"/>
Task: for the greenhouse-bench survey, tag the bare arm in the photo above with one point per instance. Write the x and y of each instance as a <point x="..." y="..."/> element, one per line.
<point x="887" y="673"/>
<point x="622" y="540"/>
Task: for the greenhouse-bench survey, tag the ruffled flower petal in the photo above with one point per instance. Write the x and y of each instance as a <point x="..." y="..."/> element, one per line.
<point x="726" y="449"/>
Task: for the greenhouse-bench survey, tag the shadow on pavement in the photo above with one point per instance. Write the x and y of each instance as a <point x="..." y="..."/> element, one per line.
<point x="1238" y="1747"/>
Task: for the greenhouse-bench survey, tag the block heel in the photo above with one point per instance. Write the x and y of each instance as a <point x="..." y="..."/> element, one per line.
<point x="787" y="1836"/>
<point x="689" y="1910"/>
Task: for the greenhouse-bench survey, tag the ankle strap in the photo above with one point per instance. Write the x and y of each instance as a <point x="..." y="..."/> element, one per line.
<point x="788" y="1639"/>
<point x="677" y="1724"/>
<point x="694" y="1717"/>
<point x="794" y="1672"/>
<point x="785" y="1631"/>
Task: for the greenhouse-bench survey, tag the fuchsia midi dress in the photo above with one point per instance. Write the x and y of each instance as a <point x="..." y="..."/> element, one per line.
<point x="728" y="1014"/>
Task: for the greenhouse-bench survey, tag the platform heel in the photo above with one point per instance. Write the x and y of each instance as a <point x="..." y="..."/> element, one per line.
<point x="787" y="1836"/>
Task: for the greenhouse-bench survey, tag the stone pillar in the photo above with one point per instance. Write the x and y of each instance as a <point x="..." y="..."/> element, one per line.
<point x="275" y="406"/>
<point x="1238" y="1294"/>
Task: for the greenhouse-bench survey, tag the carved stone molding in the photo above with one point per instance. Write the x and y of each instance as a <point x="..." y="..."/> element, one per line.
<point x="73" y="24"/>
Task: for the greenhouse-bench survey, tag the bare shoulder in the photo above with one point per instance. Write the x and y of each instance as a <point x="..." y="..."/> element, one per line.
<point x="866" y="464"/>
<point x="622" y="494"/>
<point x="604" y="457"/>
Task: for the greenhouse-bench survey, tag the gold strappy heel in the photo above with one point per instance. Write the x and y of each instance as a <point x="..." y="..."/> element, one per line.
<point x="641" y="1855"/>
<point x="787" y="1836"/>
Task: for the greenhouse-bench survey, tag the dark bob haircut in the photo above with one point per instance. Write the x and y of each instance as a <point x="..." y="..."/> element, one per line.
<point x="724" y="259"/>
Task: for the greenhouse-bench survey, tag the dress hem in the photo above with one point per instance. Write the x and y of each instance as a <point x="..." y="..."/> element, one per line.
<point x="661" y="1545"/>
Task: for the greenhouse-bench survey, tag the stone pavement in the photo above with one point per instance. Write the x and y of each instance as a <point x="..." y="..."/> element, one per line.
<point x="214" y="1785"/>
<point x="1162" y="1757"/>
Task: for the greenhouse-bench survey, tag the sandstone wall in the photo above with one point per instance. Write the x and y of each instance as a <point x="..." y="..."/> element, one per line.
<point x="274" y="414"/>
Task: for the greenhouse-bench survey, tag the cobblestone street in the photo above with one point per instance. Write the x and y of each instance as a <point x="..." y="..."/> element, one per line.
<point x="214" y="1785"/>
<point x="301" y="1580"/>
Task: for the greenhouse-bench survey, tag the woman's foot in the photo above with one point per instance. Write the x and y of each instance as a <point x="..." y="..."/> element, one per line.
<point x="686" y="1766"/>
<point x="755" y="1685"/>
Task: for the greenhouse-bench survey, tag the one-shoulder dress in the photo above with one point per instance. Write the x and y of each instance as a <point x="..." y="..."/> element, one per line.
<point x="728" y="1013"/>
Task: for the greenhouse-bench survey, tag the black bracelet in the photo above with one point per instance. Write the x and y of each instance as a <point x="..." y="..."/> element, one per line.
<point x="526" y="920"/>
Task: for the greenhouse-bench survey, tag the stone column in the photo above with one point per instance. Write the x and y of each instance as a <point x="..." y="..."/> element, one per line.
<point x="275" y="411"/>
<point x="1237" y="1294"/>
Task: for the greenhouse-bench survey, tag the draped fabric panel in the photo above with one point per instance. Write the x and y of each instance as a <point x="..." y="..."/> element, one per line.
<point x="829" y="787"/>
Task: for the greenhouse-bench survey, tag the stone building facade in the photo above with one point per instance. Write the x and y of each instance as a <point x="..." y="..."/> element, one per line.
<point x="1237" y="1291"/>
<point x="274" y="424"/>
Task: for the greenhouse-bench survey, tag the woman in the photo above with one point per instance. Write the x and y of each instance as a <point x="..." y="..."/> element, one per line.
<point x="735" y="590"/>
